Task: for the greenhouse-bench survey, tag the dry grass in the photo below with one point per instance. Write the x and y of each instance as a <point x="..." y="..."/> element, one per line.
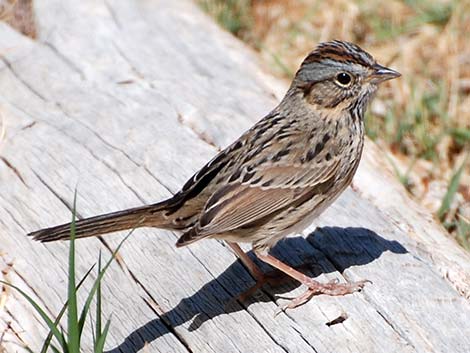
<point x="5" y="291"/>
<point x="20" y="15"/>
<point x="2" y="348"/>
<point x="423" y="119"/>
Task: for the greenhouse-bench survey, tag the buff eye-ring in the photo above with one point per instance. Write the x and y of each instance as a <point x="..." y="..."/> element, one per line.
<point x="344" y="79"/>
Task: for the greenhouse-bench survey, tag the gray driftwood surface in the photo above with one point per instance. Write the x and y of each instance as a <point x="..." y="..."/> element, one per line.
<point x="127" y="99"/>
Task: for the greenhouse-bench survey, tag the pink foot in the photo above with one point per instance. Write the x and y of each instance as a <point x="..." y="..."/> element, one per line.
<point x="331" y="288"/>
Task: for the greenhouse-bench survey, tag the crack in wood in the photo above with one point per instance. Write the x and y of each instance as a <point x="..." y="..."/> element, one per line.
<point x="34" y="291"/>
<point x="99" y="160"/>
<point x="110" y="145"/>
<point x="266" y="330"/>
<point x="394" y="327"/>
<point x="151" y="304"/>
<point x="20" y="79"/>
<point x="118" y="258"/>
<point x="17" y="334"/>
<point x="157" y="310"/>
<point x="200" y="135"/>
<point x="56" y="194"/>
<point x="66" y="60"/>
<point x="59" y="105"/>
<point x="96" y="134"/>
<point x="12" y="217"/>
<point x="136" y="71"/>
<point x="62" y="109"/>
<point x="113" y="14"/>
<point x="14" y="170"/>
<point x="116" y="172"/>
<point x="304" y="339"/>
<point x="158" y="180"/>
<point x="9" y="328"/>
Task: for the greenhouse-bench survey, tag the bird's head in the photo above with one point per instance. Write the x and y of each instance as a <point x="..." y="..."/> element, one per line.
<point x="339" y="74"/>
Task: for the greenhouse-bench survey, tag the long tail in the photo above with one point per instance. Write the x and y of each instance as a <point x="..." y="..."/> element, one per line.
<point x="145" y="216"/>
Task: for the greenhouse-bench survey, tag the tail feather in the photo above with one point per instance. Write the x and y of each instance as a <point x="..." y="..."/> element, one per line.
<point x="144" y="216"/>
<point x="189" y="237"/>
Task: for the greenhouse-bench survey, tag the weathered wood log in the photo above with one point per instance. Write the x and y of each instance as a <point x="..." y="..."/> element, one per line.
<point x="126" y="100"/>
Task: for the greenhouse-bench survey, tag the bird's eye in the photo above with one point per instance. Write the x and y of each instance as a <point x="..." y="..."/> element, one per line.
<point x="344" y="79"/>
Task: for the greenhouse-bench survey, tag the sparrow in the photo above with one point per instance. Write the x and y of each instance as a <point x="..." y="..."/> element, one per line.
<point x="277" y="177"/>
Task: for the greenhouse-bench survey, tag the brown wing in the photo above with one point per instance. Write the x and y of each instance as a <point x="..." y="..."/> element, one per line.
<point x="185" y="206"/>
<point x="258" y="195"/>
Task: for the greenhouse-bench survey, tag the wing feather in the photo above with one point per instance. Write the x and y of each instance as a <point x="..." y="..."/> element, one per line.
<point x="238" y="205"/>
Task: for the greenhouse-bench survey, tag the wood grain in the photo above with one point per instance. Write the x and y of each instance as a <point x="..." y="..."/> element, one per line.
<point x="125" y="100"/>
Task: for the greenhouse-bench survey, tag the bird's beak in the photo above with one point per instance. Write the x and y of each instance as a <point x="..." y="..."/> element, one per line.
<point x="382" y="73"/>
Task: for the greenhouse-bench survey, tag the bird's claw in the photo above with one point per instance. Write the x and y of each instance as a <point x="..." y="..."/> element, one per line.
<point x="332" y="288"/>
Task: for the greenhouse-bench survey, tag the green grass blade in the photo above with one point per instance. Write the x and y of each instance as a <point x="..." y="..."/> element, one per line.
<point x="461" y="135"/>
<point x="73" y="331"/>
<point x="98" y="304"/>
<point x="463" y="232"/>
<point x="48" y="339"/>
<point x="60" y="338"/>
<point x="93" y="290"/>
<point x="102" y="338"/>
<point x="451" y="190"/>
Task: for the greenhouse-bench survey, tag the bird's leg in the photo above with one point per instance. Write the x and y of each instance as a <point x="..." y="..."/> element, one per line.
<point x="314" y="287"/>
<point x="254" y="270"/>
<point x="274" y="278"/>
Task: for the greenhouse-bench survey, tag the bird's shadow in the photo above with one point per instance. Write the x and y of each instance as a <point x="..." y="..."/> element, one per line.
<point x="325" y="250"/>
